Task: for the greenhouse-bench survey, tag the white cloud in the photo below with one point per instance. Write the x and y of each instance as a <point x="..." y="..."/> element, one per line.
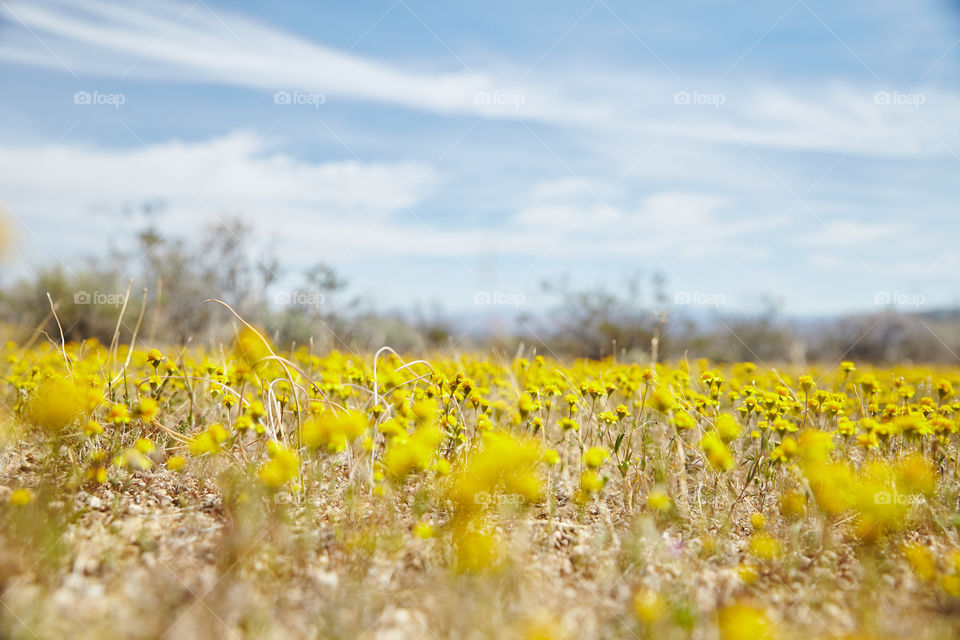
<point x="849" y="233"/>
<point x="229" y="171"/>
<point x="58" y="196"/>
<point x="351" y="210"/>
<point x="686" y="224"/>
<point x="566" y="218"/>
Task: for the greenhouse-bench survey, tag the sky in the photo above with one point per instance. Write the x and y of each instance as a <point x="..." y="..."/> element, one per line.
<point x="462" y="153"/>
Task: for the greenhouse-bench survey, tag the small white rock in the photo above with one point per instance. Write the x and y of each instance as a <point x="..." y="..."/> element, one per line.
<point x="325" y="579"/>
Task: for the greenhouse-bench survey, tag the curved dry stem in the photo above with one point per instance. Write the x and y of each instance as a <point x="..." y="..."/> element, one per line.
<point x="63" y="343"/>
<point x="269" y="348"/>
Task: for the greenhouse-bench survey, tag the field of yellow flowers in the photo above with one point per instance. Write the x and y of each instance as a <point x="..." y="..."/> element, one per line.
<point x="248" y="492"/>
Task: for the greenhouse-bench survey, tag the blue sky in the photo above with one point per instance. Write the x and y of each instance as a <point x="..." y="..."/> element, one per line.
<point x="430" y="151"/>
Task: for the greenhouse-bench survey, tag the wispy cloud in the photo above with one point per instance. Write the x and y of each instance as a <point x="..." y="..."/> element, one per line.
<point x="190" y="43"/>
<point x="183" y="42"/>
